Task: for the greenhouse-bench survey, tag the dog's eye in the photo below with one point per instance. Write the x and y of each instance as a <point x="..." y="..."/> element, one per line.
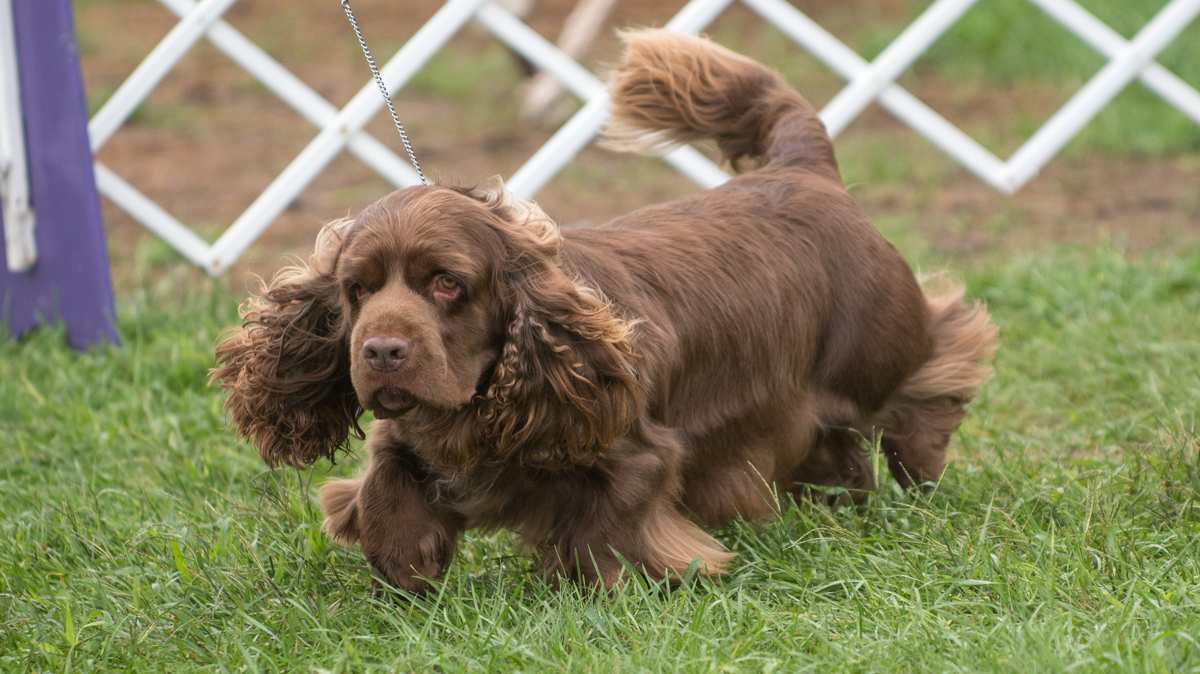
<point x="446" y="287"/>
<point x="358" y="292"/>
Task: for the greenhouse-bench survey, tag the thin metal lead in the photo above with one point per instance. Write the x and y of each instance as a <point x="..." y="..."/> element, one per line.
<point x="387" y="97"/>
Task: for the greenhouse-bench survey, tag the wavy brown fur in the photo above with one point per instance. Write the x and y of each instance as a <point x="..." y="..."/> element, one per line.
<point x="339" y="502"/>
<point x="286" y="369"/>
<point x="919" y="419"/>
<point x="606" y="392"/>
<point x="564" y="386"/>
<point x="672" y="88"/>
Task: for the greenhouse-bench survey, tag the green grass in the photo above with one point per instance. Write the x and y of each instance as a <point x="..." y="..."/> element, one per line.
<point x="140" y="536"/>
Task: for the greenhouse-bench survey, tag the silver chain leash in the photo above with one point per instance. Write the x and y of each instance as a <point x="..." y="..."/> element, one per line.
<point x="387" y="98"/>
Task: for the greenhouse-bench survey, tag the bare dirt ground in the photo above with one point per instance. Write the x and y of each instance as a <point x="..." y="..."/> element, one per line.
<point x="210" y="138"/>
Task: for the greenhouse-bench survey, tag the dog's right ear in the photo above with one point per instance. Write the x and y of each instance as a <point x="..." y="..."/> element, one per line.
<point x="287" y="370"/>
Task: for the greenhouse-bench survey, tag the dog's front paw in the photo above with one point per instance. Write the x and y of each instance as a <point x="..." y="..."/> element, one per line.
<point x="412" y="566"/>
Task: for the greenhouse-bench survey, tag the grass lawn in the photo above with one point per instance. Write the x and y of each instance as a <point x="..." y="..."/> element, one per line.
<point x="139" y="535"/>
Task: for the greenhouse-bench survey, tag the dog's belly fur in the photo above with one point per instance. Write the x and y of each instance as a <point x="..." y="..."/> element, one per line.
<point x="741" y="469"/>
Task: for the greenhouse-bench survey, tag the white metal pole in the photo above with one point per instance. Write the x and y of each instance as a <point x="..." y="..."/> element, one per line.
<point x="1107" y="41"/>
<point x="579" y="31"/>
<point x="1112" y="78"/>
<point x="697" y="15"/>
<point x="19" y="219"/>
<point x="540" y="51"/>
<point x="906" y="107"/>
<point x="301" y="97"/>
<point x="893" y="61"/>
<point x="582" y="128"/>
<point x="152" y="69"/>
<point x="153" y="217"/>
<point x="560" y="149"/>
<point x="567" y="142"/>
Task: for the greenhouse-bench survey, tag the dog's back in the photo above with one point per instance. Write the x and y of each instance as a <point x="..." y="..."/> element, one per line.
<point x="778" y="290"/>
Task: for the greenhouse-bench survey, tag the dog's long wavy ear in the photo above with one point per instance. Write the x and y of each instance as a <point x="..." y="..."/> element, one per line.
<point x="564" y="386"/>
<point x="287" y="370"/>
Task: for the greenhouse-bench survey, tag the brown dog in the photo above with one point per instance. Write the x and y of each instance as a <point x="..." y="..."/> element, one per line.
<point x="608" y="391"/>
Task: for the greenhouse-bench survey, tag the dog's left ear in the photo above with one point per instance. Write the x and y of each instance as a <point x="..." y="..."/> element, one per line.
<point x="564" y="386"/>
<point x="287" y="369"/>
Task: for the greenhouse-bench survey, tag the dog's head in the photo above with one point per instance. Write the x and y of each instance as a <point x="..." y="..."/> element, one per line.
<point x="434" y="301"/>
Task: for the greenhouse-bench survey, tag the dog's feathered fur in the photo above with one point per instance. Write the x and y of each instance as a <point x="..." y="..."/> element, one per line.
<point x="608" y="391"/>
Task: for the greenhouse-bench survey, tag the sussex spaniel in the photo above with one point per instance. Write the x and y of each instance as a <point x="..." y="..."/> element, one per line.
<point x="609" y="392"/>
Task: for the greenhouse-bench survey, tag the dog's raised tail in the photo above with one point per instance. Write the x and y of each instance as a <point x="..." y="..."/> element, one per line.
<point x="672" y="88"/>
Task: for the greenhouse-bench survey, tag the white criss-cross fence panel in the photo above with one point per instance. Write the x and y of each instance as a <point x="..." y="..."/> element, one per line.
<point x="867" y="82"/>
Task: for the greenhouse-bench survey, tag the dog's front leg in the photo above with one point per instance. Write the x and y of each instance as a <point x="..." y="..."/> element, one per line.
<point x="406" y="533"/>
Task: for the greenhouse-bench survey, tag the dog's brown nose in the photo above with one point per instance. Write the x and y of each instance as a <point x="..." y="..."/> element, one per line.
<point x="385" y="354"/>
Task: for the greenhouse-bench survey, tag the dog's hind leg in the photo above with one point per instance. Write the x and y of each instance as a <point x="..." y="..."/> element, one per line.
<point x="339" y="503"/>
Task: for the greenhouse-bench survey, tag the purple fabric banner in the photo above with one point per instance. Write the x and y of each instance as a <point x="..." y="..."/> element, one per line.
<point x="70" y="281"/>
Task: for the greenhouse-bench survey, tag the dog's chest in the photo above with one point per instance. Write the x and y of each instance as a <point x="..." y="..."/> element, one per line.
<point x="530" y="501"/>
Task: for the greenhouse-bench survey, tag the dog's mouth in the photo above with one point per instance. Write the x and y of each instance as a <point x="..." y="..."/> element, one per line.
<point x="389" y="402"/>
<point x="393" y="401"/>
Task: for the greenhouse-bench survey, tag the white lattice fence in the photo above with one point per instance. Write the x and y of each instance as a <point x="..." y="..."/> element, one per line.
<point x="866" y="82"/>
